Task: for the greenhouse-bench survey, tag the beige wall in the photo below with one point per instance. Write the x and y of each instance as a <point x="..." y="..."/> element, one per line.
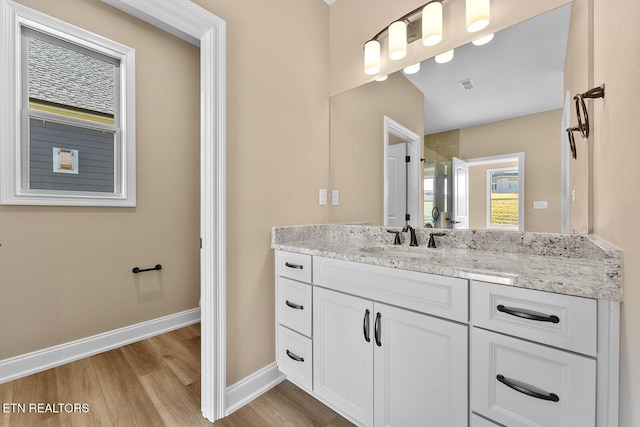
<point x="277" y="154"/>
<point x="617" y="175"/>
<point x="478" y="192"/>
<point x="353" y="22"/>
<point x="357" y="142"/>
<point x="538" y="136"/>
<point x="65" y="272"/>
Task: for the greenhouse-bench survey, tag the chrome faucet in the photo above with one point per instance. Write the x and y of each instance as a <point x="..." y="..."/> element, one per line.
<point x="412" y="232"/>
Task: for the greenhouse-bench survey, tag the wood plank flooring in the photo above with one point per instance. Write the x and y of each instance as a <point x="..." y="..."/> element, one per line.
<point x="154" y="382"/>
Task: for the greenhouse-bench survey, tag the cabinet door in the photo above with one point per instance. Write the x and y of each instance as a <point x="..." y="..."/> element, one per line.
<point x="343" y="358"/>
<point x="420" y="369"/>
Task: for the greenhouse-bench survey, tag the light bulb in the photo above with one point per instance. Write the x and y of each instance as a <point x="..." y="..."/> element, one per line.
<point x="372" y="57"/>
<point x="412" y="69"/>
<point x="478" y="13"/>
<point x="444" y="57"/>
<point x="483" y="40"/>
<point x="432" y="24"/>
<point x="397" y="40"/>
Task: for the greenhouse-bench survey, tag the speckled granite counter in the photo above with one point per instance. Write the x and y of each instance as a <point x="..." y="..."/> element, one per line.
<point x="568" y="264"/>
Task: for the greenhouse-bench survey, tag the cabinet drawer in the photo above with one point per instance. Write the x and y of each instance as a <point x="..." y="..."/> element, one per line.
<point x="294" y="305"/>
<point x="295" y="357"/>
<point x="441" y="296"/>
<point x="559" y="320"/>
<point x="294" y="266"/>
<point x="478" y="421"/>
<point x="519" y="383"/>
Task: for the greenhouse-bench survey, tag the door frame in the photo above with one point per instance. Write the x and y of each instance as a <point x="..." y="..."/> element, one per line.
<point x="504" y="158"/>
<point x="392" y="127"/>
<point x="198" y="26"/>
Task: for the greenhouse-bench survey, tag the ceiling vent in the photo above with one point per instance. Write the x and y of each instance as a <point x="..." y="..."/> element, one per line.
<point x="466" y="84"/>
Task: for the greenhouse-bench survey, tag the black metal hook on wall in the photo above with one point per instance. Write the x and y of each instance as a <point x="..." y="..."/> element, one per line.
<point x="581" y="108"/>
<point x="583" y="115"/>
<point x="139" y="270"/>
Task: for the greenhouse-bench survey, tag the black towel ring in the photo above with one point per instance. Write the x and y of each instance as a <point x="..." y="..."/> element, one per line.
<point x="581" y="111"/>
<point x="572" y="142"/>
<point x="581" y="108"/>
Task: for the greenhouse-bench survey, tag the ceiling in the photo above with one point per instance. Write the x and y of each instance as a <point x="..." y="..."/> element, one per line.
<point x="520" y="72"/>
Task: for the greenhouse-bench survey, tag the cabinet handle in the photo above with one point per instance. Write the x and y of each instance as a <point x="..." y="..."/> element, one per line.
<point x="365" y="326"/>
<point x="298" y="266"/>
<point x="293" y="305"/>
<point x="529" y="315"/>
<point x="295" y="357"/>
<point x="527" y="389"/>
<point x="378" y="330"/>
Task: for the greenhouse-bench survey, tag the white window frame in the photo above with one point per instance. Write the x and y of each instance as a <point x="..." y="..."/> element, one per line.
<point x="14" y="185"/>
<point x="489" y="192"/>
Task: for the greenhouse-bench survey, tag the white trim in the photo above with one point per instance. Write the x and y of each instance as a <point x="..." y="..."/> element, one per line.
<point x="503" y="158"/>
<point x="488" y="193"/>
<point x="608" y="363"/>
<point x="565" y="166"/>
<point x="392" y="127"/>
<point x="37" y="361"/>
<point x="13" y="189"/>
<point x="198" y="26"/>
<point x="252" y="386"/>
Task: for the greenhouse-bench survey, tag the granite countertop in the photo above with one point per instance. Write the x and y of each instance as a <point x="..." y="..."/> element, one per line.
<point x="567" y="264"/>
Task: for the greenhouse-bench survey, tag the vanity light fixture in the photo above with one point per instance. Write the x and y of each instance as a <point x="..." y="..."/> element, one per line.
<point x="429" y="19"/>
<point x="483" y="40"/>
<point x="412" y="69"/>
<point x="444" y="57"/>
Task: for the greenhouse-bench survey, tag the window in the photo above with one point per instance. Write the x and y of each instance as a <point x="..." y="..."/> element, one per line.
<point x="503" y="198"/>
<point x="70" y="139"/>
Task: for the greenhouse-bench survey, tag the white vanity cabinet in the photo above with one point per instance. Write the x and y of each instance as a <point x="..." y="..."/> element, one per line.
<point x="392" y="347"/>
<point x="381" y="364"/>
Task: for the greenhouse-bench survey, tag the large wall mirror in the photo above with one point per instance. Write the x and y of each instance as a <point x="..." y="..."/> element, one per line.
<point x="495" y="151"/>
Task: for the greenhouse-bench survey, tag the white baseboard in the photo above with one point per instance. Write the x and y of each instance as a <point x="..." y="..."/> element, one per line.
<point x="252" y="386"/>
<point x="37" y="361"/>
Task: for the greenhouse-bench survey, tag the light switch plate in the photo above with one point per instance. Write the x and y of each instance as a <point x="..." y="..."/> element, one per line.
<point x="335" y="197"/>
<point x="322" y="198"/>
<point x="540" y="204"/>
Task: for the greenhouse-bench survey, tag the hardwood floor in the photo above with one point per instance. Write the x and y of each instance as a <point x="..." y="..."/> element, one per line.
<point x="155" y="382"/>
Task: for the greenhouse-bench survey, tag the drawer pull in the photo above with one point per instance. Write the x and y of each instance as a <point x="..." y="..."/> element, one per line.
<point x="293" y="305"/>
<point x="298" y="266"/>
<point x="378" y="330"/>
<point x="295" y="357"/>
<point x="529" y="315"/>
<point x="527" y="389"/>
<point x="365" y="326"/>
